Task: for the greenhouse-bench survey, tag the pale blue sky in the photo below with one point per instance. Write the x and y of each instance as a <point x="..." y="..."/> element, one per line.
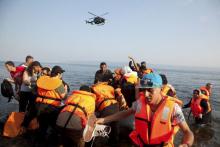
<point x="173" y="32"/>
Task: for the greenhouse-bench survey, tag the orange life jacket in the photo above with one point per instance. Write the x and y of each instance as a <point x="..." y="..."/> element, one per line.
<point x="147" y="71"/>
<point x="204" y="91"/>
<point x="46" y="90"/>
<point x="81" y="103"/>
<point x="105" y="95"/>
<point x="156" y="129"/>
<point x="12" y="126"/>
<point x="196" y="107"/>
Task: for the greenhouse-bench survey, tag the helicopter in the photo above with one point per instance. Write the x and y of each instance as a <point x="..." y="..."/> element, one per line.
<point x="98" y="20"/>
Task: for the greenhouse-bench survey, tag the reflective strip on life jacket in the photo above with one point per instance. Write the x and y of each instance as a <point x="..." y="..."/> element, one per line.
<point x="48" y="100"/>
<point x="156" y="129"/>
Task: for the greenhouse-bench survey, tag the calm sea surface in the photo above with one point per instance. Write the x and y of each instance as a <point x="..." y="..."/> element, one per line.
<point x="184" y="80"/>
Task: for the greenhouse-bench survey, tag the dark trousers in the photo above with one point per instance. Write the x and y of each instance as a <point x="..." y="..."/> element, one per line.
<point x="71" y="137"/>
<point x="26" y="101"/>
<point x="206" y="118"/>
<point x="47" y="116"/>
<point x="114" y="135"/>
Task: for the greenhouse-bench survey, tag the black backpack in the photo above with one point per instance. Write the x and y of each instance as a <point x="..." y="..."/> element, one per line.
<point x="7" y="89"/>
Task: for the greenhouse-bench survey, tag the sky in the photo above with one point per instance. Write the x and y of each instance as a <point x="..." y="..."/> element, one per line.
<point x="167" y="32"/>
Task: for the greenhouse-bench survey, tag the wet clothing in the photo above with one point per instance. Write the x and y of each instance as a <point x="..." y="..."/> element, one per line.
<point x="75" y="123"/>
<point x="48" y="101"/>
<point x="113" y="136"/>
<point x="26" y="101"/>
<point x="70" y="137"/>
<point x="72" y="134"/>
<point x="206" y="115"/>
<point x="203" y="104"/>
<point x="103" y="77"/>
<point x="73" y="117"/>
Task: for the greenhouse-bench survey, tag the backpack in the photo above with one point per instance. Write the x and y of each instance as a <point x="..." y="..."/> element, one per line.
<point x="7" y="89"/>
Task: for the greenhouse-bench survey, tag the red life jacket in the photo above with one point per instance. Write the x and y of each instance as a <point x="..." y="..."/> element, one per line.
<point x="156" y="129"/>
<point x="196" y="107"/>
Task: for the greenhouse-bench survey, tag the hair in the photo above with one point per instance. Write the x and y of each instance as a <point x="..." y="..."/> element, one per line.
<point x="143" y="63"/>
<point x="196" y="90"/>
<point x="102" y="63"/>
<point x="10" y="63"/>
<point x="28" y="57"/>
<point x="31" y="66"/>
<point x="85" y="88"/>
<point x="164" y="79"/>
<point x="46" y="68"/>
<point x="208" y="84"/>
<point x="52" y="74"/>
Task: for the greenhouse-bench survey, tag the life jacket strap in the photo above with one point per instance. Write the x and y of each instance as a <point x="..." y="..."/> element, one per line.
<point x="49" y="98"/>
<point x="70" y="116"/>
<point x="105" y="99"/>
<point x="80" y="107"/>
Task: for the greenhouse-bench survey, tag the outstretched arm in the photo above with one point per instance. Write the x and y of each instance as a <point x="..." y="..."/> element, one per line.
<point x="115" y="117"/>
<point x="187" y="105"/>
<point x="135" y="64"/>
<point x="188" y="136"/>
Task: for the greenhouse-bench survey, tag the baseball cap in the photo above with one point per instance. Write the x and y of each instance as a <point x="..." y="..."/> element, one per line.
<point x="151" y="80"/>
<point x="57" y="69"/>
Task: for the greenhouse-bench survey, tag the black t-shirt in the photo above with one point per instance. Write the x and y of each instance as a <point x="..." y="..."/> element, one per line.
<point x="103" y="77"/>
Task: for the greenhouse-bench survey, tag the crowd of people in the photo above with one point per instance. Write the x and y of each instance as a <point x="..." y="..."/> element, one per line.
<point x="130" y="90"/>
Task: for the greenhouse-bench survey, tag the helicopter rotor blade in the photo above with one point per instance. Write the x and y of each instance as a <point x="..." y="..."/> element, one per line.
<point x="92" y="13"/>
<point x="104" y="14"/>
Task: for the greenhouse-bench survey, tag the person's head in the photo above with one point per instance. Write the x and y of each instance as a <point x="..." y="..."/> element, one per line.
<point x="29" y="59"/>
<point x="10" y="66"/>
<point x="85" y="88"/>
<point x="196" y="93"/>
<point x="45" y="71"/>
<point x="34" y="67"/>
<point x="117" y="74"/>
<point x="143" y="65"/>
<point x="209" y="86"/>
<point x="57" y="71"/>
<point x="151" y="85"/>
<point x="103" y="66"/>
<point x="164" y="79"/>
